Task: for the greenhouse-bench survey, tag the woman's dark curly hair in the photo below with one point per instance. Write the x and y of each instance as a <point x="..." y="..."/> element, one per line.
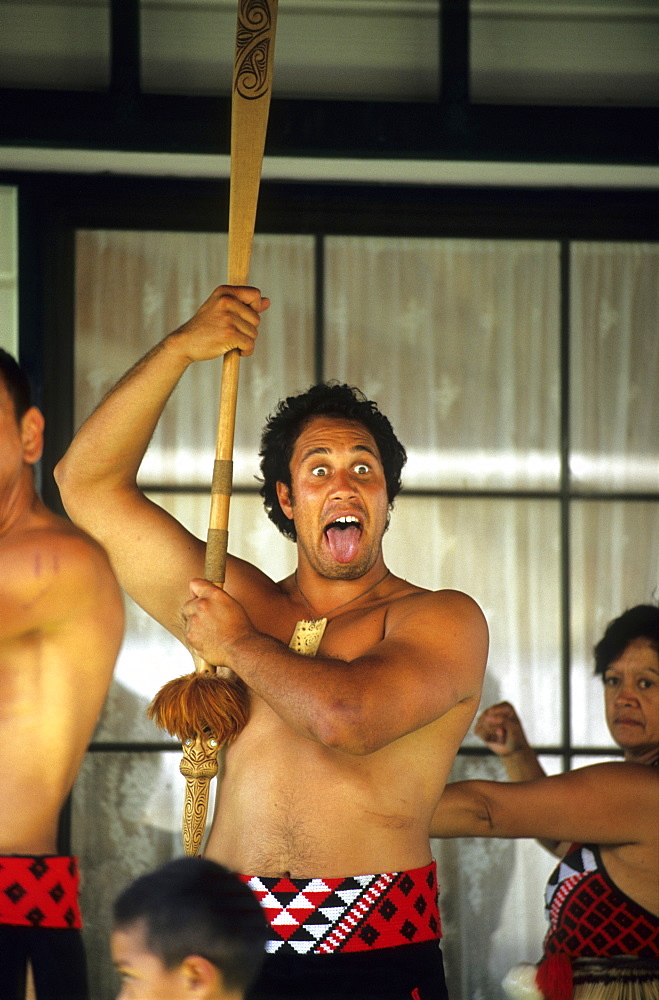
<point x="640" y="622"/>
<point x="284" y="426"/>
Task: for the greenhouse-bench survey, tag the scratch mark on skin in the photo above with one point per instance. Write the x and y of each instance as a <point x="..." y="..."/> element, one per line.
<point x="391" y="820"/>
<point x="40" y="562"/>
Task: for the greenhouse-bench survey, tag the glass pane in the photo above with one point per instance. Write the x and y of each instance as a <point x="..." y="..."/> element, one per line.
<point x="63" y="45"/>
<point x="566" y="52"/>
<point x="551" y="765"/>
<point x="504" y="554"/>
<point x="150" y="656"/>
<point x="133" y="288"/>
<point x="325" y="49"/>
<point x="126" y="820"/>
<point x="580" y="760"/>
<point x="8" y="269"/>
<point x="458" y="342"/>
<point x="491" y="891"/>
<point x="615" y="365"/>
<point x="253" y="536"/>
<point x="614" y="567"/>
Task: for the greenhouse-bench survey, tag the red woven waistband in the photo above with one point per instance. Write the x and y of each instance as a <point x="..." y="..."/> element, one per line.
<point x="39" y="891"/>
<point x="321" y="916"/>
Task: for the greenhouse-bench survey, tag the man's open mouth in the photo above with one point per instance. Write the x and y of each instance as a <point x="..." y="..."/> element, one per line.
<point x="343" y="537"/>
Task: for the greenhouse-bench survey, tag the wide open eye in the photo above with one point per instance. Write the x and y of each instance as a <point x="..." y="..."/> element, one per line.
<point x="319" y="471"/>
<point x="362" y="469"/>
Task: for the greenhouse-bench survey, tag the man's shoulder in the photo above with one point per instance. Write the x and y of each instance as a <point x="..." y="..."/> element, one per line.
<point x="443" y="620"/>
<point x="46" y="543"/>
<point x="55" y="577"/>
<point x="412" y="599"/>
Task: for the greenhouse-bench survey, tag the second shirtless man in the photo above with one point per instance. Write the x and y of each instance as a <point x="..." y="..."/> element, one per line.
<point x="328" y="792"/>
<point x="61" y="626"/>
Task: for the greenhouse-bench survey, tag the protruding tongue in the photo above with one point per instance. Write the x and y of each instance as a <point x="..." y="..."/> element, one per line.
<point x="343" y="542"/>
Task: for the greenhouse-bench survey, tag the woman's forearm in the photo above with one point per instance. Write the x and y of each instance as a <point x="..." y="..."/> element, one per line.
<point x="462" y="811"/>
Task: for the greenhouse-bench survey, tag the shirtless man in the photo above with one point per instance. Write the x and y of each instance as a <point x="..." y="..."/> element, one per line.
<point x="61" y="623"/>
<point x="334" y="777"/>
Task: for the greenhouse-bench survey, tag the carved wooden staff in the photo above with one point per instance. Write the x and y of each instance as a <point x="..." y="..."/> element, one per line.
<point x="209" y="707"/>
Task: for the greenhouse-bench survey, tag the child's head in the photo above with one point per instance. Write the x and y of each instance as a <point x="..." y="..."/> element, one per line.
<point x="189" y="929"/>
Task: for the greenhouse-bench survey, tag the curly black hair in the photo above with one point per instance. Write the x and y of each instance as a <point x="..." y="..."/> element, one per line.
<point x="284" y="426"/>
<point x="640" y="622"/>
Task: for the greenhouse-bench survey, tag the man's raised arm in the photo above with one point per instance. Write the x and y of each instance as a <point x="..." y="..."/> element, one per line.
<point x="153" y="555"/>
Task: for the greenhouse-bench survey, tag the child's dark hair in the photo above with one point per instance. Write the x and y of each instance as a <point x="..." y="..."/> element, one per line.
<point x="194" y="906"/>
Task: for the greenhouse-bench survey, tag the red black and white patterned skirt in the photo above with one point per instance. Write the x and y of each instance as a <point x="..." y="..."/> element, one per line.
<point x="324" y="916"/>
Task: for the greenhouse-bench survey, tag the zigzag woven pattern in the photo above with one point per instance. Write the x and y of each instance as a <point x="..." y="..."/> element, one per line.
<point x="322" y="916"/>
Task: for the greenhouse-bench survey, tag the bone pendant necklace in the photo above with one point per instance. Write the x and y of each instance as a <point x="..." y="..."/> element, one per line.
<point x="317" y="618"/>
<point x="308" y="633"/>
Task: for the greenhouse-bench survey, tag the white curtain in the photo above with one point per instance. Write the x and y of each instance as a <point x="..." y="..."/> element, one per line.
<point x="614" y="365"/>
<point x="458" y="339"/>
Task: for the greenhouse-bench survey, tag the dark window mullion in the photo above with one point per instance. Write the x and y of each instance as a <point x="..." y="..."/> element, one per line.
<point x="125" y="85"/>
<point x="566" y="699"/>
<point x="454" y="70"/>
<point x="319" y="309"/>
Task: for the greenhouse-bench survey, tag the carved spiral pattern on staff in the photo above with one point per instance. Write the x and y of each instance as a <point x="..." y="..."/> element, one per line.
<point x="253" y="48"/>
